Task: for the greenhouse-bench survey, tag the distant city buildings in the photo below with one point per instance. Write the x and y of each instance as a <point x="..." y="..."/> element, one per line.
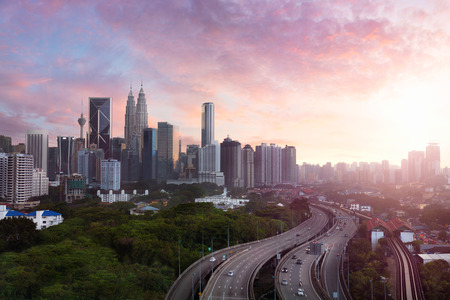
<point x="207" y="123"/>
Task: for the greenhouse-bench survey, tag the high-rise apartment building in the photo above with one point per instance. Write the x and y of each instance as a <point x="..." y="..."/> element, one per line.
<point x="192" y="157"/>
<point x="207" y="123"/>
<point x="40" y="183"/>
<point x="416" y="165"/>
<point x="167" y="151"/>
<point x="149" y="154"/>
<point x="433" y="159"/>
<point x="248" y="166"/>
<point x="110" y="178"/>
<point x="36" y="144"/>
<point x="268" y="161"/>
<point x="5" y="144"/>
<point x="3" y="174"/>
<point x="100" y="120"/>
<point x="19" y="178"/>
<point x="231" y="163"/>
<point x="65" y="154"/>
<point x="78" y="144"/>
<point x="289" y="165"/>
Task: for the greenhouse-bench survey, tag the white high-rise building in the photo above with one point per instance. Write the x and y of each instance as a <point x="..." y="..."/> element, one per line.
<point x="19" y="182"/>
<point x="268" y="165"/>
<point x="110" y="176"/>
<point x="36" y="144"/>
<point x="209" y="164"/>
<point x="207" y="123"/>
<point x="40" y="183"/>
<point x="3" y="174"/>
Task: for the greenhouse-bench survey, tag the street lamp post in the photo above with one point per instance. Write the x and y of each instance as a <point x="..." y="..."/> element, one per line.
<point x="179" y="259"/>
<point x="371" y="290"/>
<point x="192" y="285"/>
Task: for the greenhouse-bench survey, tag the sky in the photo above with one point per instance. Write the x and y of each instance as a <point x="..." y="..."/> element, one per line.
<point x="342" y="81"/>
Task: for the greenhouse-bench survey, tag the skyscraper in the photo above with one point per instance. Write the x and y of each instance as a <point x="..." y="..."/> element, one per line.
<point x="100" y="119"/>
<point x="149" y="154"/>
<point x="268" y="161"/>
<point x="167" y="151"/>
<point x="19" y="182"/>
<point x="52" y="163"/>
<point x="231" y="162"/>
<point x="5" y="144"/>
<point x="110" y="175"/>
<point x="141" y="112"/>
<point x="207" y="123"/>
<point x="36" y="144"/>
<point x="65" y="154"/>
<point x="416" y="165"/>
<point x="289" y="165"/>
<point x="130" y="117"/>
<point x="248" y="166"/>
<point x="433" y="159"/>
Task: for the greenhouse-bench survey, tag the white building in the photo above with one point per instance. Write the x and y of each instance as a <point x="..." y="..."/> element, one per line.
<point x="110" y="174"/>
<point x="209" y="164"/>
<point x="42" y="218"/>
<point x="112" y="197"/>
<point x="354" y="206"/>
<point x="18" y="171"/>
<point x="222" y="201"/>
<point x="40" y="183"/>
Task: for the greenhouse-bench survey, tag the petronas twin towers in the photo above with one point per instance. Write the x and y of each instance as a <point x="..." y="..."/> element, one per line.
<point x="136" y="118"/>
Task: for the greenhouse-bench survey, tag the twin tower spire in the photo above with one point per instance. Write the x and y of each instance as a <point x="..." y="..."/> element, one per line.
<point x="136" y="116"/>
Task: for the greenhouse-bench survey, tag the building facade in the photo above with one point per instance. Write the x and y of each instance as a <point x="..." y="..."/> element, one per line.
<point x="248" y="166"/>
<point x="207" y="123"/>
<point x="149" y="154"/>
<point x="167" y="151"/>
<point x="231" y="163"/>
<point x="36" y="144"/>
<point x="40" y="183"/>
<point x="100" y="120"/>
<point x="65" y="154"/>
<point x="110" y="177"/>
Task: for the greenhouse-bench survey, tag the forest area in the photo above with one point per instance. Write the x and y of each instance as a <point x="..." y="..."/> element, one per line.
<point x="102" y="252"/>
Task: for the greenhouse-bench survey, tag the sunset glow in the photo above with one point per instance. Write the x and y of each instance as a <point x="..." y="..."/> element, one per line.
<point x="339" y="80"/>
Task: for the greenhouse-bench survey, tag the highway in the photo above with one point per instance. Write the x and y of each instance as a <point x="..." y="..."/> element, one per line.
<point x="334" y="242"/>
<point x="236" y="285"/>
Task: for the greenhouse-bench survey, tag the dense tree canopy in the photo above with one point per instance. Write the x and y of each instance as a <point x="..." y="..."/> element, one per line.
<point x="102" y="252"/>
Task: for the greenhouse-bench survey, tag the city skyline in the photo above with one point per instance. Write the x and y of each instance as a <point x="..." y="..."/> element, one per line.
<point x="339" y="81"/>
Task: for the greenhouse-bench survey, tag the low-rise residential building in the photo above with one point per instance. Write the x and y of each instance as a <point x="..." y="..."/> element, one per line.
<point x="42" y="218"/>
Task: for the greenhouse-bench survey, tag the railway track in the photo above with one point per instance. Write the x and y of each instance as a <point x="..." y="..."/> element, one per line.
<point x="408" y="284"/>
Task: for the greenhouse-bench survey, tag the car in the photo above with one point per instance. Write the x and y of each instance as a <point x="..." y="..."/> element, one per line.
<point x="212" y="258"/>
<point x="284" y="282"/>
<point x="328" y="234"/>
<point x="346" y="235"/>
<point x="230" y="273"/>
<point x="300" y="292"/>
<point x="300" y="283"/>
<point x="284" y="270"/>
<point x="294" y="256"/>
<point x="299" y="262"/>
<point x="298" y="234"/>
<point x="309" y="227"/>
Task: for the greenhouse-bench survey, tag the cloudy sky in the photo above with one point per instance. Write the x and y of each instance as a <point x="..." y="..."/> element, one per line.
<point x="347" y="81"/>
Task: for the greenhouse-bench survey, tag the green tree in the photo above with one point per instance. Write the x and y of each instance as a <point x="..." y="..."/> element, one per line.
<point x="17" y="233"/>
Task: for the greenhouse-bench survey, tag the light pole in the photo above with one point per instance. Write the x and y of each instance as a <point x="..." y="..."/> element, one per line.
<point x="179" y="259"/>
<point x="257" y="229"/>
<point x="201" y="271"/>
<point x="228" y="234"/>
<point x="192" y="285"/>
<point x="384" y="283"/>
<point x="371" y="290"/>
